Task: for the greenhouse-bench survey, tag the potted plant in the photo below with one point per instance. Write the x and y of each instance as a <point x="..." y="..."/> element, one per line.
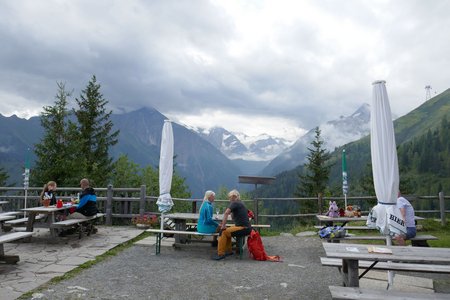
<point x="145" y="221"/>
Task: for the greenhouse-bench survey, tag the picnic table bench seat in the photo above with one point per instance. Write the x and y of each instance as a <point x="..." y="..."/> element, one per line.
<point x="10" y="237"/>
<point x="160" y="232"/>
<point x="23" y="220"/>
<point x="392" y="266"/>
<point x="340" y="292"/>
<point x="362" y="227"/>
<point x="69" y="223"/>
<point x="418" y="240"/>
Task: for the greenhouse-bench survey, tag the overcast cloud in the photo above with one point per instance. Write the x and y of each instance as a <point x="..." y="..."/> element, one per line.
<point x="279" y="67"/>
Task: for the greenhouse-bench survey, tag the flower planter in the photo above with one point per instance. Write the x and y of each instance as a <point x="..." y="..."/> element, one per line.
<point x="142" y="226"/>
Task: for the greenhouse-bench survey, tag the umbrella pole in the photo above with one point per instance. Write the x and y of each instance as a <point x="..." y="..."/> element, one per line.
<point x="390" y="273"/>
<point x="162" y="221"/>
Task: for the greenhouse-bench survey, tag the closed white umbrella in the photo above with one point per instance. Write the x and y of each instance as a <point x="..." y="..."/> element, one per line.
<point x="165" y="202"/>
<point x="384" y="165"/>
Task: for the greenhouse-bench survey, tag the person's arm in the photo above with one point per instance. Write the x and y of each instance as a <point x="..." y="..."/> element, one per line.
<point x="209" y="220"/>
<point x="227" y="212"/>
<point x="403" y="212"/>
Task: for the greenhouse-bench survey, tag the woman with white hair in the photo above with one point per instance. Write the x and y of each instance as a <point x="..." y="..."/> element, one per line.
<point x="206" y="222"/>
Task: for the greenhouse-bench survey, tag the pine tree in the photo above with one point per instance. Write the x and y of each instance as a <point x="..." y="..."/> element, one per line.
<point x="95" y="134"/>
<point x="55" y="149"/>
<point x="316" y="171"/>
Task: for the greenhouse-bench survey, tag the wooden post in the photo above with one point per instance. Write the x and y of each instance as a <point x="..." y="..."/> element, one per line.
<point x="442" y="208"/>
<point x="194" y="207"/>
<point x="142" y="200"/>
<point x="256" y="212"/>
<point x="320" y="202"/>
<point x="108" y="210"/>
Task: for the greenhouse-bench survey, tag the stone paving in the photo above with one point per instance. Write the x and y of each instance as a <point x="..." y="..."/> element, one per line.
<point x="44" y="257"/>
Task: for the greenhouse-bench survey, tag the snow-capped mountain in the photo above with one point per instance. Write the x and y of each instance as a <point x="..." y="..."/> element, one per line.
<point x="241" y="146"/>
<point x="334" y="134"/>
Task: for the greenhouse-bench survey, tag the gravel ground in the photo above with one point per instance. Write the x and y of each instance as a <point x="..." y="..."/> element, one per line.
<point x="189" y="273"/>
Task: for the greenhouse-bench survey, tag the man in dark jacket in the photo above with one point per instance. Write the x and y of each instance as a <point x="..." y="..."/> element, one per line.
<point x="88" y="202"/>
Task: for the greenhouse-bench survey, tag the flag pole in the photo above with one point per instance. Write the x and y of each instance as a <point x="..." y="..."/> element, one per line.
<point x="344" y="178"/>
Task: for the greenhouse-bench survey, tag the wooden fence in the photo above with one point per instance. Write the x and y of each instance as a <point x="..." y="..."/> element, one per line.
<point x="125" y="203"/>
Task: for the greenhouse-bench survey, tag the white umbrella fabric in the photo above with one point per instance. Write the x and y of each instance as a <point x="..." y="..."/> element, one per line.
<point x="384" y="166"/>
<point x="164" y="201"/>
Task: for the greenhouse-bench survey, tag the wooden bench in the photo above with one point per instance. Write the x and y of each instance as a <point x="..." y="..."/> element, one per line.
<point x="391" y="266"/>
<point x="8" y="225"/>
<point x="10" y="237"/>
<point x="418" y="240"/>
<point x="339" y="292"/>
<point x="362" y="227"/>
<point x="82" y="227"/>
<point x="194" y="225"/>
<point x="160" y="232"/>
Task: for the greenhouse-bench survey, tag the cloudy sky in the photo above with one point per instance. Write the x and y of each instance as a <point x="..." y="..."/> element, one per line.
<point x="276" y="67"/>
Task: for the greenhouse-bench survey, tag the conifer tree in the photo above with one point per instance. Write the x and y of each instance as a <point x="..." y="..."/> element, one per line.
<point x="95" y="134"/>
<point x="54" y="152"/>
<point x="316" y="171"/>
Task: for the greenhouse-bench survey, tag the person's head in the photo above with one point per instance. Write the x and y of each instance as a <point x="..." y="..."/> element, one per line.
<point x="210" y="196"/>
<point x="84" y="183"/>
<point x="50" y="186"/>
<point x="234" y="195"/>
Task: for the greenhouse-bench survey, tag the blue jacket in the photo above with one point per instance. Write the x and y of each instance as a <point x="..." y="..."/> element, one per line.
<point x="88" y="203"/>
<point x="206" y="223"/>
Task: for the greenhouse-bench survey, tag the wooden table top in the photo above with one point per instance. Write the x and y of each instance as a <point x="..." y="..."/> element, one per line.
<point x="324" y="218"/>
<point x="191" y="216"/>
<point x="48" y="209"/>
<point x="399" y="253"/>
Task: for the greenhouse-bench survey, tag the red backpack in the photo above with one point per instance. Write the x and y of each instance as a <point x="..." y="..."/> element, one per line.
<point x="256" y="248"/>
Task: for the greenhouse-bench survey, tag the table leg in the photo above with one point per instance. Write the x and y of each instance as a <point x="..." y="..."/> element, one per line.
<point x="350" y="272"/>
<point x="50" y="221"/>
<point x="181" y="226"/>
<point x="30" y="222"/>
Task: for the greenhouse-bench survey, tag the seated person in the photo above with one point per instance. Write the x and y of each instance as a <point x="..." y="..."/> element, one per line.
<point x="48" y="193"/>
<point x="206" y="222"/>
<point x="242" y="225"/>
<point x="407" y="212"/>
<point x="88" y="202"/>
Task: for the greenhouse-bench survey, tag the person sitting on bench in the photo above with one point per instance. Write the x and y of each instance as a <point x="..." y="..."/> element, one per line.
<point x="242" y="225"/>
<point x="206" y="222"/>
<point x="407" y="212"/>
<point x="88" y="202"/>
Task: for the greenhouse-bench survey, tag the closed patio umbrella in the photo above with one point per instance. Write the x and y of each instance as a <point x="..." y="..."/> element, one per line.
<point x="384" y="165"/>
<point x="164" y="201"/>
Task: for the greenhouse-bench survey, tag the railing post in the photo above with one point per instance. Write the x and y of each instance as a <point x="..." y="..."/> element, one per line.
<point x="256" y="212"/>
<point x="142" y="200"/>
<point x="442" y="208"/>
<point x="320" y="202"/>
<point x="108" y="211"/>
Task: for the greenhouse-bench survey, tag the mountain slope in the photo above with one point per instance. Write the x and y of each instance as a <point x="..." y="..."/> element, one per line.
<point x="414" y="125"/>
<point x="334" y="133"/>
<point x="203" y="166"/>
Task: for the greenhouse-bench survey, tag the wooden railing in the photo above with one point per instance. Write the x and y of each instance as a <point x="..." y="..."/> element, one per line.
<point x="125" y="203"/>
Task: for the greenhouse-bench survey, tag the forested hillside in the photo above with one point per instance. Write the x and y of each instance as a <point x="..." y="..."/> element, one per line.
<point x="423" y="152"/>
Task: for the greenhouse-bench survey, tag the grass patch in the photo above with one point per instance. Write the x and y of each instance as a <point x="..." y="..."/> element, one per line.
<point x="108" y="254"/>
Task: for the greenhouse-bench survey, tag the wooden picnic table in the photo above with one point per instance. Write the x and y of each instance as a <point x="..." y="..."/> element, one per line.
<point x="351" y="254"/>
<point x="180" y="223"/>
<point x="50" y="211"/>
<point x="331" y="220"/>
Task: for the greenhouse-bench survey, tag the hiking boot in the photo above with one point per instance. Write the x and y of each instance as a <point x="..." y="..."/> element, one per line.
<point x="219" y="257"/>
<point x="229" y="253"/>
